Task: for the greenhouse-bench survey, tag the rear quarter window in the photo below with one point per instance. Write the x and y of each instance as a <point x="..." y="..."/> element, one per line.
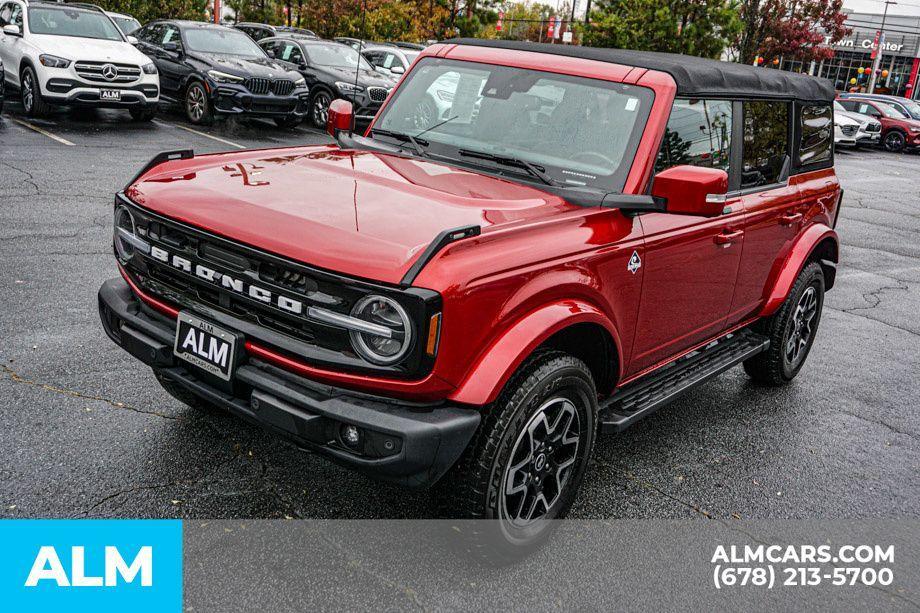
<point x="766" y="142"/>
<point x="817" y="134"/>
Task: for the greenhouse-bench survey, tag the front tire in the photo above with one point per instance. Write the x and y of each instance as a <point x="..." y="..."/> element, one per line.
<point x="31" y="95"/>
<point x="197" y="105"/>
<point x="791" y="330"/>
<point x="528" y="458"/>
<point x="319" y="109"/>
<point x="895" y="141"/>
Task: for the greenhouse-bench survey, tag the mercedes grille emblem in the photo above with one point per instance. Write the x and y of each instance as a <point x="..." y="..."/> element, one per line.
<point x="109" y="72"/>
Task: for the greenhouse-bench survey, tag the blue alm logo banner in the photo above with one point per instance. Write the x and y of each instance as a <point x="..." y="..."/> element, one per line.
<point x="91" y="565"/>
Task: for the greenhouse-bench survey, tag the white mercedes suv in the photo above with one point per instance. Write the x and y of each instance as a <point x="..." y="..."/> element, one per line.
<point x="73" y="54"/>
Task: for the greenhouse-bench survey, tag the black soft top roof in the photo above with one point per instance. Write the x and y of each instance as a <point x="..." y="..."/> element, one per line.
<point x="696" y="77"/>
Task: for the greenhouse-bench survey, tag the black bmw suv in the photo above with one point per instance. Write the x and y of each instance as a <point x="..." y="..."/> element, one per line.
<point x="215" y="70"/>
<point x="330" y="69"/>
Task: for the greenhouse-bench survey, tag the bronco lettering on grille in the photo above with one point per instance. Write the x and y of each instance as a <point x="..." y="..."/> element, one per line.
<point x="227" y="282"/>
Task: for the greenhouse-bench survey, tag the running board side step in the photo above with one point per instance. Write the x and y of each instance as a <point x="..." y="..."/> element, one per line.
<point x="645" y="396"/>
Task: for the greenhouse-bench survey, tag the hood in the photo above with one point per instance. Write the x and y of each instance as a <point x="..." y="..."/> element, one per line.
<point x="366" y="78"/>
<point x="363" y="214"/>
<point x="844" y="119"/>
<point x="857" y="117"/>
<point x="260" y="67"/>
<point x="89" y="49"/>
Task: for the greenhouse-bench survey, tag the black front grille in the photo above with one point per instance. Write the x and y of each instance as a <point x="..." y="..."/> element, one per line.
<point x="377" y="94"/>
<point x="296" y="333"/>
<point x="263" y="87"/>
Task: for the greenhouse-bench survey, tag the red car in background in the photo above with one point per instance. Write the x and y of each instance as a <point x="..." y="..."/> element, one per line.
<point x="899" y="132"/>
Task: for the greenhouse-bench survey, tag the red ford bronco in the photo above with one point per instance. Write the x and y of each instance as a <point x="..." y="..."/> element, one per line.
<point x="575" y="237"/>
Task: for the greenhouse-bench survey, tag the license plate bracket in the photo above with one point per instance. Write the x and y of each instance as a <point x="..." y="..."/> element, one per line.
<point x="207" y="346"/>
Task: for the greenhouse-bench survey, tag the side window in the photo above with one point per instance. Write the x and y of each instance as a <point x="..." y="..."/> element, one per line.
<point x="396" y="61"/>
<point x="373" y="57"/>
<point x="699" y="133"/>
<point x="16" y="15"/>
<point x="5" y="14"/>
<point x="868" y="109"/>
<point x="154" y="34"/>
<point x="271" y="47"/>
<point x="171" y="35"/>
<point x="766" y="142"/>
<point x="292" y="54"/>
<point x="817" y="130"/>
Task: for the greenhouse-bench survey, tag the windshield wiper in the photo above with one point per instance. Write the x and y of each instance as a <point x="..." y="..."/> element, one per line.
<point x="536" y="171"/>
<point x="416" y="143"/>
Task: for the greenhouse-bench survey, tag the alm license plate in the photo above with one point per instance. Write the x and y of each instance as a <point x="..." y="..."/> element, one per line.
<point x="206" y="346"/>
<point x="110" y="94"/>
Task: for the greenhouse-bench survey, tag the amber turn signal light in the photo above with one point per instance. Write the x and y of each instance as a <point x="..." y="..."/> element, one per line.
<point x="434" y="334"/>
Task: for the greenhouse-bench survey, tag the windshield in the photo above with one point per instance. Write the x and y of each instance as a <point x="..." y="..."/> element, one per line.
<point x="336" y="55"/>
<point x="580" y="131"/>
<point x="72" y="22"/>
<point x="224" y="42"/>
<point x="889" y="111"/>
<point x="126" y="24"/>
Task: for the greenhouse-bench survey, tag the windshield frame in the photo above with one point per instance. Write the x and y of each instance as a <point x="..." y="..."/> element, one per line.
<point x="611" y="183"/>
<point x="184" y="32"/>
<point x="64" y="8"/>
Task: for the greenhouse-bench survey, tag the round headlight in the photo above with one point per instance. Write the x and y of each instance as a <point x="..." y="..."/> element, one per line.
<point x="379" y="349"/>
<point x="124" y="221"/>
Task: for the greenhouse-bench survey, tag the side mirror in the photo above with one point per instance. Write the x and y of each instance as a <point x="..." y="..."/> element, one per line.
<point x="11" y="30"/>
<point x="692" y="190"/>
<point x="172" y="48"/>
<point x="341" y="114"/>
<point x="397" y="70"/>
<point x="132" y="39"/>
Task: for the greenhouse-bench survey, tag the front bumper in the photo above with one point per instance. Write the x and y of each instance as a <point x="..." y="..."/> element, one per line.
<point x="868" y="138"/>
<point x="232" y="100"/>
<point x="76" y="93"/>
<point x="410" y="444"/>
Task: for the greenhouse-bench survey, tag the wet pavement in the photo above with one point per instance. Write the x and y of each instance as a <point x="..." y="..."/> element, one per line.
<point x="85" y="430"/>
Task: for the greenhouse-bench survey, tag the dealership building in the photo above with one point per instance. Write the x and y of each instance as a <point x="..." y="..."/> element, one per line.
<point x="900" y="55"/>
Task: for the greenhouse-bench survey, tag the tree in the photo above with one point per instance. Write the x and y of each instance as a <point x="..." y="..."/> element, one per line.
<point x="793" y="29"/>
<point x="147" y="10"/>
<point x="693" y="27"/>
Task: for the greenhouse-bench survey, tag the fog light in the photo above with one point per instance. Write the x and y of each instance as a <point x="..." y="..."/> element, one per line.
<point x="351" y="436"/>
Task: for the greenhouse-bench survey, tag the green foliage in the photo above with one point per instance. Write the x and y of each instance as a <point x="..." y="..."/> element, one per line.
<point x="692" y="27"/>
<point x="148" y="10"/>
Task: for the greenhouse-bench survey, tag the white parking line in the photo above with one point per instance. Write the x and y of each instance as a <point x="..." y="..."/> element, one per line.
<point x="217" y="138"/>
<point x="63" y="141"/>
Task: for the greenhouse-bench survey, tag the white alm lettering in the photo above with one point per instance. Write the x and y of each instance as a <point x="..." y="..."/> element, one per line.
<point x="47" y="566"/>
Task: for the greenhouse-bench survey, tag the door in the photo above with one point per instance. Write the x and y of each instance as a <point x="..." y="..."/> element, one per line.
<point x="691" y="262"/>
<point x="11" y="46"/>
<point x="773" y="211"/>
<point x="170" y="62"/>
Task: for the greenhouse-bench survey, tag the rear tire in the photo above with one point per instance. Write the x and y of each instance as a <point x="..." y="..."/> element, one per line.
<point x="30" y="93"/>
<point x="527" y="459"/>
<point x="143" y="114"/>
<point x="183" y="395"/>
<point x="791" y="330"/>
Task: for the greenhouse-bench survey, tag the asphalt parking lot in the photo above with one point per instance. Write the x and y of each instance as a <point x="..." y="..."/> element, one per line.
<point x="85" y="430"/>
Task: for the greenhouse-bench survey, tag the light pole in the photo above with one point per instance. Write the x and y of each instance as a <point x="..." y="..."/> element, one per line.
<point x="878" y="49"/>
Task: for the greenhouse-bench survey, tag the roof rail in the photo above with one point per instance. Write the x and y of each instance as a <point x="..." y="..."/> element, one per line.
<point x="82" y="5"/>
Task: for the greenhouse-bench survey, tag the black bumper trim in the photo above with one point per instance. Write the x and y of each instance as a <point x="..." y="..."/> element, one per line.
<point x="403" y="443"/>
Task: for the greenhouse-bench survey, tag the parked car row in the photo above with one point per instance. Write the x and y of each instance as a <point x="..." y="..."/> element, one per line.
<point x="80" y="55"/>
<point x="891" y="122"/>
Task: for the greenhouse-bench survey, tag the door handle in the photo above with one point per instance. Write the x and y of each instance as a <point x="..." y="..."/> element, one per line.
<point x="790" y="218"/>
<point x="727" y="238"/>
